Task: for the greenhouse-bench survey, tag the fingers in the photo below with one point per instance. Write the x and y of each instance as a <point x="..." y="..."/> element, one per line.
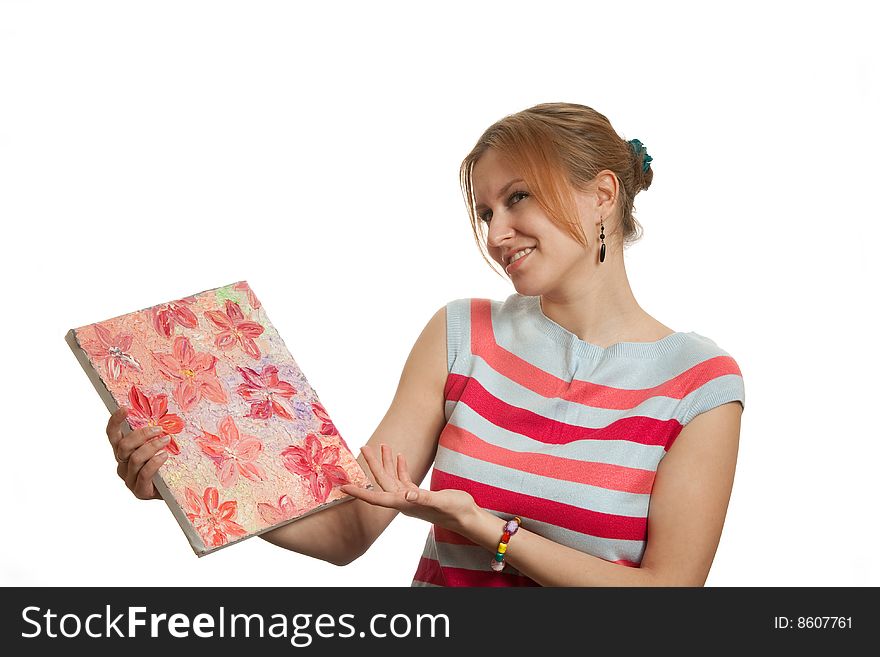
<point x="412" y="490"/>
<point x="122" y="471"/>
<point x="138" y="455"/>
<point x="422" y="497"/>
<point x="114" y="425"/>
<point x="143" y="463"/>
<point x="134" y="440"/>
<point x="367" y="453"/>
<point x="144" y="488"/>
<point x="402" y="499"/>
<point x="403" y="473"/>
<point x="391" y="474"/>
<point x="388" y="475"/>
<point x="379" y="498"/>
<point x="388" y="460"/>
<point x="377" y="467"/>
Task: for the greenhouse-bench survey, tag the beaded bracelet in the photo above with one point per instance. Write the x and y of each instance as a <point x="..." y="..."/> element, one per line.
<point x="510" y="528"/>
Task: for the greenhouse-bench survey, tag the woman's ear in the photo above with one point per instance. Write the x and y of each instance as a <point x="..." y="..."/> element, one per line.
<point x="606" y="191"/>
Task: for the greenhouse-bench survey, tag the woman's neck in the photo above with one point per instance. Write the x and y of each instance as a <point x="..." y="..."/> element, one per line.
<point x="603" y="310"/>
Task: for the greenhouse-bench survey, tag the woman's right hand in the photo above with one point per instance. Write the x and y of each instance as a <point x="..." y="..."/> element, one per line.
<point x="139" y="455"/>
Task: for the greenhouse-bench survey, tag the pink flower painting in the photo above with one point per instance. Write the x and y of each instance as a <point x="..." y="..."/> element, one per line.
<point x="112" y="351"/>
<point x="193" y="375"/>
<point x="252" y="298"/>
<point x="317" y="462"/>
<point x="168" y="315"/>
<point x="262" y="390"/>
<point x="214" y="522"/>
<point x="327" y="426"/>
<point x="272" y="514"/>
<point x="233" y="453"/>
<point x="235" y="329"/>
<point x="213" y="373"/>
<point x="153" y="412"/>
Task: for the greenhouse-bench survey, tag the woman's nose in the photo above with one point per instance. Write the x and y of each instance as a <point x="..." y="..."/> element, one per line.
<point x="499" y="231"/>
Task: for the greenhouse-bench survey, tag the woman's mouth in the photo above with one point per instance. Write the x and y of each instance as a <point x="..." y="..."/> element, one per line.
<point x="516" y="264"/>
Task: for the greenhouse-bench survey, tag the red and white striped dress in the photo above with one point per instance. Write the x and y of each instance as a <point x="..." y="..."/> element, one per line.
<point x="563" y="433"/>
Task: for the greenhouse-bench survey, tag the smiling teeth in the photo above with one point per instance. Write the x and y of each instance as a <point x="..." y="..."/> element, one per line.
<point x="520" y="254"/>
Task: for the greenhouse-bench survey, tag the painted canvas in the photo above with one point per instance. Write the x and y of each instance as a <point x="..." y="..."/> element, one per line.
<point x="252" y="447"/>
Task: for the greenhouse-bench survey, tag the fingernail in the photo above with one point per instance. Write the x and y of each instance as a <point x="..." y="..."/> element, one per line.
<point x="164" y="441"/>
<point x="411" y="495"/>
<point x="156" y="430"/>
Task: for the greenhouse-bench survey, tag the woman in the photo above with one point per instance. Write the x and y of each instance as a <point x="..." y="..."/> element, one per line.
<point x="565" y="425"/>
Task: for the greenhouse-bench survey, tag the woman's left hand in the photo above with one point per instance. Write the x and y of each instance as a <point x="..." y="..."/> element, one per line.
<point x="448" y="508"/>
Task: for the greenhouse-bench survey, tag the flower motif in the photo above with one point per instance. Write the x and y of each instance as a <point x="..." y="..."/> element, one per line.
<point x="252" y="298"/>
<point x="319" y="463"/>
<point x="302" y="410"/>
<point x="153" y="411"/>
<point x="235" y="329"/>
<point x="166" y="316"/>
<point x="214" y="522"/>
<point x="113" y="350"/>
<point x="260" y="390"/>
<point x="233" y="454"/>
<point x="327" y="426"/>
<point x="272" y="514"/>
<point x="193" y="374"/>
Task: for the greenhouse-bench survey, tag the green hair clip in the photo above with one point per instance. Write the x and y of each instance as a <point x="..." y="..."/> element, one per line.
<point x="637" y="147"/>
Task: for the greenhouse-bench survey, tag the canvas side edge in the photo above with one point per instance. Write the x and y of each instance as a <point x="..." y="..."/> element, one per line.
<point x="195" y="540"/>
<point x="86" y="364"/>
<point x="192" y="536"/>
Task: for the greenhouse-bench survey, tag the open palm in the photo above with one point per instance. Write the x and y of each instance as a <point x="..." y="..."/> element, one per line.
<point x="446" y="508"/>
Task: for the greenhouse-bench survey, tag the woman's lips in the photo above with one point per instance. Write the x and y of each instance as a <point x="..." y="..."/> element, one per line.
<point x="515" y="265"/>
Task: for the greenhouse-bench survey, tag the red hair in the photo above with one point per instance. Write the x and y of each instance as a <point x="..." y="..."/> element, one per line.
<point x="555" y="148"/>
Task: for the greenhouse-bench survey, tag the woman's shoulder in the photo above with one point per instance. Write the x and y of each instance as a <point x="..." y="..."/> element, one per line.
<point x="498" y="316"/>
<point x="710" y="376"/>
<point x="698" y="344"/>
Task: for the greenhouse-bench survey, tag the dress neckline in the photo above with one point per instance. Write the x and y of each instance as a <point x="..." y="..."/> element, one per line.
<point x="587" y="349"/>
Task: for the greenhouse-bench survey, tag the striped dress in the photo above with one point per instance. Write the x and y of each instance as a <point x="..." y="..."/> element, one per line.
<point x="563" y="433"/>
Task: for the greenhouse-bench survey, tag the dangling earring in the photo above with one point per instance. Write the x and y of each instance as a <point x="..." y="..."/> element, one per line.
<point x="602" y="237"/>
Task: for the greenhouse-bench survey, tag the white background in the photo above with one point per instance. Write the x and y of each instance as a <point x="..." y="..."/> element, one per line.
<point x="150" y="150"/>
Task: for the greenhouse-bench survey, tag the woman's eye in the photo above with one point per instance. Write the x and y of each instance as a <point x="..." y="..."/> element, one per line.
<point x="509" y="202"/>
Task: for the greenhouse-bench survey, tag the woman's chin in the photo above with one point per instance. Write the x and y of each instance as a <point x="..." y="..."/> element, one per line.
<point x="525" y="288"/>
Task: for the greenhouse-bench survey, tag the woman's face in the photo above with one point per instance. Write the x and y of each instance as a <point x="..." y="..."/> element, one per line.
<point x="516" y="221"/>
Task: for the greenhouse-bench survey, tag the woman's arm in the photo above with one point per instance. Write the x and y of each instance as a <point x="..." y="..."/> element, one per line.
<point x="688" y="504"/>
<point x="412" y="425"/>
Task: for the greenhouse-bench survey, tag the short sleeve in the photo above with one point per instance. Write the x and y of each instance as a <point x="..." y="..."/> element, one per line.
<point x="458" y="329"/>
<point x="723" y="384"/>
